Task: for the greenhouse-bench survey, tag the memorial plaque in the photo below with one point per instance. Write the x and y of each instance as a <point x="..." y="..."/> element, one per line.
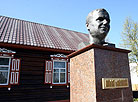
<point x="111" y="83"/>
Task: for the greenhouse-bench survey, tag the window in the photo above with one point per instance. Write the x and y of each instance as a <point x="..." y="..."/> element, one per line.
<point x="59" y="72"/>
<point x="9" y="68"/>
<point x="4" y="70"/>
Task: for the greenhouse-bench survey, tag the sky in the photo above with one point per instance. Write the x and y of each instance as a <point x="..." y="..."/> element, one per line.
<point x="71" y="14"/>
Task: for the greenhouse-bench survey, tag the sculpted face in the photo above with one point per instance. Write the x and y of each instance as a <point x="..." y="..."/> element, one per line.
<point x="98" y="24"/>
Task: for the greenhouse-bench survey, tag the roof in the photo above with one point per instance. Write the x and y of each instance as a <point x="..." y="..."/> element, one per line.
<point x="21" y="32"/>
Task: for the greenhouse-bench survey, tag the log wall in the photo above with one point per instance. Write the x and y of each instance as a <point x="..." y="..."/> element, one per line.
<point x="31" y="86"/>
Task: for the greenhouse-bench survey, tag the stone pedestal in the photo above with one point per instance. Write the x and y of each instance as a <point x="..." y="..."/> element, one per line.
<point x="87" y="68"/>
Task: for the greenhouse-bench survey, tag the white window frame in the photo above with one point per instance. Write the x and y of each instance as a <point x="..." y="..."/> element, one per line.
<point x="59" y="72"/>
<point x="8" y="69"/>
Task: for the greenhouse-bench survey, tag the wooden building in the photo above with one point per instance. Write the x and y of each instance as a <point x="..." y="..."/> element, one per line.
<point x="33" y="62"/>
<point x="134" y="79"/>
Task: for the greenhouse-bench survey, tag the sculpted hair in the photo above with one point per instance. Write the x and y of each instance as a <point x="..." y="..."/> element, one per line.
<point x="90" y="15"/>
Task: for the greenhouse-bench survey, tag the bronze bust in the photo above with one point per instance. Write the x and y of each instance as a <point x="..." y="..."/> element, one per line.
<point x="98" y="25"/>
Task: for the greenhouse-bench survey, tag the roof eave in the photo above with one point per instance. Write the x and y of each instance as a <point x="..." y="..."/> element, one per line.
<point x="18" y="46"/>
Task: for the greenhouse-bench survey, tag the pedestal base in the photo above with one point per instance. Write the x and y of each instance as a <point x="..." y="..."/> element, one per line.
<point x="87" y="68"/>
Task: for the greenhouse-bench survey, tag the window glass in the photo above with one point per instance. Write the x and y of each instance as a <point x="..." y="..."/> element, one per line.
<point x="56" y="70"/>
<point x="62" y="77"/>
<point x="62" y="70"/>
<point x="4" y="61"/>
<point x="4" y="68"/>
<point x="59" y="64"/>
<point x="56" y="78"/>
<point x="4" y="71"/>
<point x="3" y="77"/>
<point x="59" y="72"/>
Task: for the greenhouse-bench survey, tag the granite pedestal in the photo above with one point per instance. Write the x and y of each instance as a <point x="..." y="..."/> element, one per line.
<point x="87" y="68"/>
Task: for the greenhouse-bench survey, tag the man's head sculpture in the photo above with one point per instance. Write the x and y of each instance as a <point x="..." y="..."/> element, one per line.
<point x="98" y="25"/>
